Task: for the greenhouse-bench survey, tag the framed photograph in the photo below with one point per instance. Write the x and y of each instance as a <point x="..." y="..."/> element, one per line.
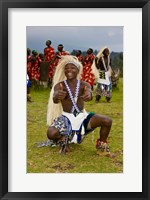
<point x="22" y="175"/>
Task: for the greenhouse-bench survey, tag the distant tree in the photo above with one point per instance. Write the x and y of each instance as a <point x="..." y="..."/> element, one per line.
<point x="73" y="52"/>
<point x="95" y="52"/>
<point x="117" y="61"/>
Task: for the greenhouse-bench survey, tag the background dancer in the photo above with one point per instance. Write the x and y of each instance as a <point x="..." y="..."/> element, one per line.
<point x="49" y="54"/>
<point x="102" y="70"/>
<point x="87" y="75"/>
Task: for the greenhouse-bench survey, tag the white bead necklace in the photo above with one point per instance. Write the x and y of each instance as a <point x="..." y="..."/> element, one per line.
<point x="73" y="99"/>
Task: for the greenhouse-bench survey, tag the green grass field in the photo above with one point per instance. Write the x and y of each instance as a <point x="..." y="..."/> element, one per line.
<point x="82" y="158"/>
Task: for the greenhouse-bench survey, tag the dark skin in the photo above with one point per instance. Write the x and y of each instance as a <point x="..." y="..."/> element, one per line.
<point x="28" y="51"/>
<point x="48" y="43"/>
<point x="60" y="49"/>
<point x="61" y="94"/>
<point x="78" y="53"/>
<point x="41" y="55"/>
<point x="89" y="51"/>
<point x="99" y="64"/>
<point x="34" y="57"/>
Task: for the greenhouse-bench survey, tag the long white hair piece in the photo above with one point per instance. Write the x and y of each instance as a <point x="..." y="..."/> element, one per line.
<point x="55" y="110"/>
<point x="94" y="68"/>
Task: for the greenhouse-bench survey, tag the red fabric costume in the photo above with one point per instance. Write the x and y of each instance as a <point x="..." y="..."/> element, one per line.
<point x="80" y="58"/>
<point x="49" y="53"/>
<point x="87" y="75"/>
<point x="58" y="57"/>
<point x="35" y="73"/>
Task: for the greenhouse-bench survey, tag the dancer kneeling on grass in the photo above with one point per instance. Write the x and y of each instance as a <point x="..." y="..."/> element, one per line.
<point x="67" y="119"/>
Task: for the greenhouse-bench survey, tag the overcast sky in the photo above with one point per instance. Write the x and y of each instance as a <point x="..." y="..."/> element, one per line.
<point x="75" y="37"/>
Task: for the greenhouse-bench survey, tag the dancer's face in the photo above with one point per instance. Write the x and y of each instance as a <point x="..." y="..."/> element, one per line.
<point x="71" y="71"/>
<point x="106" y="52"/>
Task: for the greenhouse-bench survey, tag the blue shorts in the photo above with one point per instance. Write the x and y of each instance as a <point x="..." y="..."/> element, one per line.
<point x="64" y="127"/>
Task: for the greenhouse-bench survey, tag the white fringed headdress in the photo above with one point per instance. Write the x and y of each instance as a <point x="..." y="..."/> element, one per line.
<point x="55" y="110"/>
<point x="99" y="55"/>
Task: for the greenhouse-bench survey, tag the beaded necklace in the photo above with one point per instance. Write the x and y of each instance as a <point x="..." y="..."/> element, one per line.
<point x="75" y="108"/>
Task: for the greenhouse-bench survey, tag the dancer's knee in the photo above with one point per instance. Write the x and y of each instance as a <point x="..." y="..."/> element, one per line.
<point x="108" y="121"/>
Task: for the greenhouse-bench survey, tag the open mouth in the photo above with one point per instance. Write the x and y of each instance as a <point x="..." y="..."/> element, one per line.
<point x="69" y="74"/>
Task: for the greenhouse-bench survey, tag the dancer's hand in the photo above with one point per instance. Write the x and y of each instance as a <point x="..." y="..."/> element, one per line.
<point x="59" y="93"/>
<point x="87" y="95"/>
